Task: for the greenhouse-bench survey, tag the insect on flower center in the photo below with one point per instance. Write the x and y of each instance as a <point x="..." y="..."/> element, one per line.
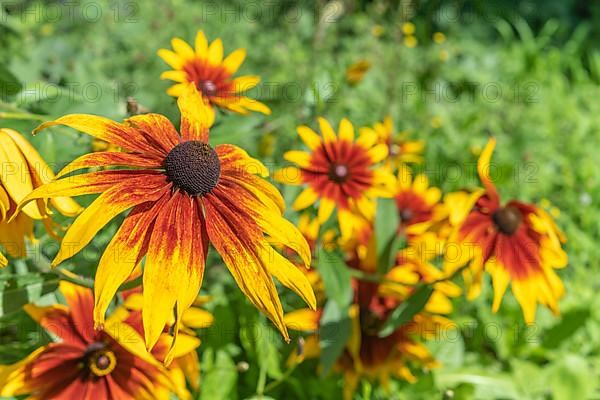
<point x="339" y="173"/>
<point x="193" y="167"/>
<point x="207" y="87"/>
<point x="100" y="360"/>
<point x="507" y="219"/>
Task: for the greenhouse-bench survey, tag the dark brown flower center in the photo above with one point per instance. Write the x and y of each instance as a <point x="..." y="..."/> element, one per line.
<point x="99" y="359"/>
<point x="193" y="167"/>
<point x="339" y="173"/>
<point x="406" y="214"/>
<point x="207" y="87"/>
<point x="507" y="219"/>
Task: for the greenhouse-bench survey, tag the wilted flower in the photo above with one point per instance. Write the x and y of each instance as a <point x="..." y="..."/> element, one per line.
<point x="23" y="170"/>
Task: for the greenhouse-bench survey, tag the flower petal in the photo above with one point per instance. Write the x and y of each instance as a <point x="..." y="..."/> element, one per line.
<point x="215" y="52"/>
<point x="239" y="245"/>
<point x="171" y="58"/>
<point x="110" y="131"/>
<point x="109" y="159"/>
<point x="119" y="198"/>
<point x="183" y="49"/>
<point x="123" y="254"/>
<point x="201" y="44"/>
<point x="346" y="130"/>
<point x="174" y="265"/>
<point x="310" y="138"/>
<point x="157" y="129"/>
<point x="308" y="197"/>
<point x="302" y="158"/>
<point x="244" y="83"/>
<point x="233" y="61"/>
<point x="177" y="76"/>
<point x="484" y="169"/>
<point x="196" y="115"/>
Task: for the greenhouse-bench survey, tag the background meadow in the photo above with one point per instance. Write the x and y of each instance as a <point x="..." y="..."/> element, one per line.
<point x="525" y="72"/>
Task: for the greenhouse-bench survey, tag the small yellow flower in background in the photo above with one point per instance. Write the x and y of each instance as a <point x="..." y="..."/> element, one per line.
<point x="183" y="195"/>
<point x="410" y="42"/>
<point x="444" y="55"/>
<point x="400" y="150"/>
<point x="436" y="122"/>
<point x="377" y="30"/>
<point x="356" y="72"/>
<point x="408" y="28"/>
<point x="212" y="74"/>
<point x="439" y="37"/>
<point x="340" y="172"/>
<point x="23" y="170"/>
<point x="84" y="363"/>
<point x="516" y="243"/>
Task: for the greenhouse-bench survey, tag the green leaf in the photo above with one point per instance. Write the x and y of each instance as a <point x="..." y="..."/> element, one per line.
<point x="336" y="277"/>
<point x="220" y="378"/>
<point x="406" y="310"/>
<point x="570" y="378"/>
<point x="9" y="83"/>
<point x="386" y="233"/>
<point x="334" y="332"/>
<point x="570" y="323"/>
<point x="18" y="290"/>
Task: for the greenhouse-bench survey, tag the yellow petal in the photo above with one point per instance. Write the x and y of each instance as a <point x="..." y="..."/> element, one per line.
<point x="215" y="52"/>
<point x="303" y="320"/>
<point x="326" y="130"/>
<point x="378" y="153"/>
<point x="289" y="276"/>
<point x="171" y="58"/>
<point x="196" y="114"/>
<point x="197" y="318"/>
<point x="326" y="208"/>
<point x="177" y="76"/>
<point x="201" y="45"/>
<point x="309" y="137"/>
<point x="305" y="199"/>
<point x="233" y="61"/>
<point x="367" y="138"/>
<point x="346" y="130"/>
<point x="290" y="175"/>
<point x="301" y="158"/>
<point x="183" y="49"/>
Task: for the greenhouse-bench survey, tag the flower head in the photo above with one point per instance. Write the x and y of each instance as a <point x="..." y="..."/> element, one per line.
<point x="339" y="171"/>
<point x="23" y="170"/>
<point x="400" y="149"/>
<point x="183" y="195"/>
<point x="85" y="363"/>
<point x="212" y="74"/>
<point x="515" y="242"/>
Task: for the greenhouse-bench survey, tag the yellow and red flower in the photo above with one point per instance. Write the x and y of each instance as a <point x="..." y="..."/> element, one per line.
<point x="23" y="170"/>
<point x="84" y="363"/>
<point x="517" y="243"/>
<point x="205" y="67"/>
<point x="400" y="149"/>
<point x="184" y="194"/>
<point x="339" y="171"/>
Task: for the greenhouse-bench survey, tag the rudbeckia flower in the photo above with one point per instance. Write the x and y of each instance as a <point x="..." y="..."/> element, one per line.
<point x="183" y="195"/>
<point x="400" y="150"/>
<point x="516" y="242"/>
<point x="418" y="203"/>
<point x="23" y="170"/>
<point x="84" y="363"/>
<point x="205" y="67"/>
<point x="339" y="171"/>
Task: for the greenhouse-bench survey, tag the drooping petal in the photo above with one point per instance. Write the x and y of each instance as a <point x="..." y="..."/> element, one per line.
<point x="237" y="245"/>
<point x="123" y="254"/>
<point x="119" y="198"/>
<point x="174" y="265"/>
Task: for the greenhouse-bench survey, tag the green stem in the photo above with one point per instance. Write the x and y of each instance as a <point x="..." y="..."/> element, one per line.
<point x="21" y="115"/>
<point x="283" y="378"/>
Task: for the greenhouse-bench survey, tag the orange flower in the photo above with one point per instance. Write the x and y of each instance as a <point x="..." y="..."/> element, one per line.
<point x="84" y="363"/>
<point x="339" y="171"/>
<point x="184" y="194"/>
<point x="516" y="243"/>
<point x="205" y="67"/>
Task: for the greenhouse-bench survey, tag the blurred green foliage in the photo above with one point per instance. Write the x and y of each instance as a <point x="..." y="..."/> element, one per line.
<point x="529" y="76"/>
